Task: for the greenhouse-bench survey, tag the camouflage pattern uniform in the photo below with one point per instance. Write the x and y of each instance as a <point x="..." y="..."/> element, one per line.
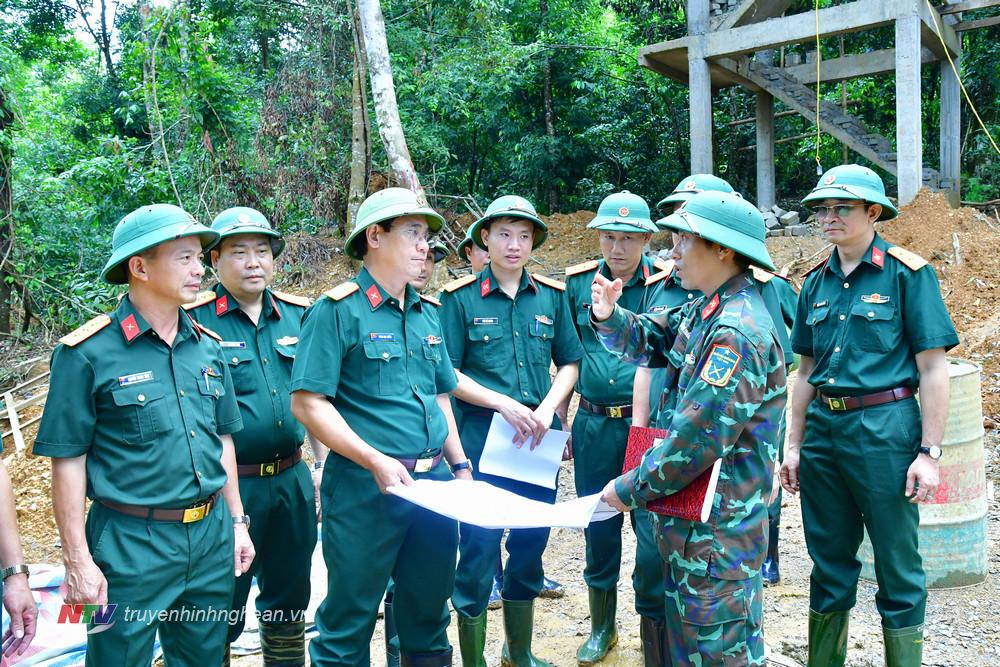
<point x="725" y="399"/>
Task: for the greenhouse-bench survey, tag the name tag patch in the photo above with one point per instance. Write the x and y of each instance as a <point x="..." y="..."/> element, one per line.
<point x="382" y="336"/>
<point x="238" y="344"/>
<point x="135" y="378"/>
<point x="287" y="340"/>
<point x="478" y="321"/>
<point x="875" y="298"/>
<point x="656" y="309"/>
<point x="543" y="319"/>
<point x="432" y="340"/>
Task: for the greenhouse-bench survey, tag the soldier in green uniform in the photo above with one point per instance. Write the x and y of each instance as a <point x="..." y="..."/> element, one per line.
<point x="726" y="394"/>
<point x="371" y="381"/>
<point x="140" y="408"/>
<point x="15" y="594"/>
<point x="504" y="327"/>
<point x="871" y="329"/>
<point x="601" y="426"/>
<point x="260" y="333"/>
<point x="473" y="254"/>
<point x="438" y="251"/>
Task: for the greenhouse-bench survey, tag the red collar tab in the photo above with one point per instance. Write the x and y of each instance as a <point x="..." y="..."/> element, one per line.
<point x="878" y="257"/>
<point x="274" y="307"/>
<point x="645" y="271"/>
<point x="222" y="305"/>
<point x="712" y="306"/>
<point x="531" y="281"/>
<point x="130" y="328"/>
<point x="484" y="287"/>
<point x="374" y="297"/>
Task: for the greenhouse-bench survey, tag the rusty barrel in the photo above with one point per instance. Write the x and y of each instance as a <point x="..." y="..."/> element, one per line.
<point x="952" y="534"/>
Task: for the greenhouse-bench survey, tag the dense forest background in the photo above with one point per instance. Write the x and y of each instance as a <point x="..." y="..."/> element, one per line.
<point x="105" y="106"/>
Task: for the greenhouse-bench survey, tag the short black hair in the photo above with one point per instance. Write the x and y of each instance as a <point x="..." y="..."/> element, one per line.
<point x="360" y="243"/>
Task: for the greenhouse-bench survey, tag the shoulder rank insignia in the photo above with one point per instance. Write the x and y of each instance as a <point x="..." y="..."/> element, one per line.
<point x="582" y="268"/>
<point x="88" y="329"/>
<point x="459" y="282"/>
<point x="550" y="282"/>
<point x="291" y="298"/>
<point x="431" y="300"/>
<point x="910" y="260"/>
<point x="208" y="296"/>
<point x="761" y="275"/>
<point x="720" y="366"/>
<point x="663" y="264"/>
<point x="205" y="330"/>
<point x="667" y="269"/>
<point x="342" y="290"/>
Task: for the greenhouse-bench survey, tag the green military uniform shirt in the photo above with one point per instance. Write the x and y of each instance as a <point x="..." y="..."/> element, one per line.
<point x="865" y="329"/>
<point x="507" y="344"/>
<point x="381" y="367"/>
<point x="260" y="358"/>
<point x="147" y="415"/>
<point x="726" y="394"/>
<point x="604" y="378"/>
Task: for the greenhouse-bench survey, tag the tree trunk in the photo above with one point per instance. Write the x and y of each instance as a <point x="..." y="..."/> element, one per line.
<point x="6" y="213"/>
<point x="361" y="149"/>
<point x="183" y="41"/>
<point x="550" y="121"/>
<point x="105" y="42"/>
<point x="263" y="53"/>
<point x="390" y="128"/>
<point x="145" y="12"/>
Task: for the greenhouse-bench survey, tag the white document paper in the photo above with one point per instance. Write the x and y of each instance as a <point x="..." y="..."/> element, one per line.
<point x="488" y="506"/>
<point x="538" y="466"/>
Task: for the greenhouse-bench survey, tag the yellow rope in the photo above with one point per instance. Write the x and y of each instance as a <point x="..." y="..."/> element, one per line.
<point x="819" y="57"/>
<point x="954" y="69"/>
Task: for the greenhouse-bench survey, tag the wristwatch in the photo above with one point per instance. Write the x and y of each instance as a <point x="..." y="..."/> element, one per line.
<point x="20" y="568"/>
<point x="933" y="451"/>
<point x="464" y="465"/>
<point x="245" y="519"/>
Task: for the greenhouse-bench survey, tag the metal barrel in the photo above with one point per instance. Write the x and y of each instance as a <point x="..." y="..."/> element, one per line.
<point x="952" y="535"/>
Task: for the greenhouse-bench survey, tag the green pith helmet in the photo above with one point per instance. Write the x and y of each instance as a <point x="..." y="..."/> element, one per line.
<point x="439" y="249"/>
<point x="852" y="181"/>
<point x="727" y="219"/>
<point x="146" y="227"/>
<point x="623" y="212"/>
<point x="466" y="242"/>
<point x="243" y="220"/>
<point x="510" y="206"/>
<point x="389" y="204"/>
<point x="692" y="185"/>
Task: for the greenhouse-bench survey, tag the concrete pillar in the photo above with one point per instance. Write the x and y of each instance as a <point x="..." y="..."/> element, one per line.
<point x="951" y="134"/>
<point x="909" y="148"/>
<point x="700" y="88"/>
<point x="765" y="151"/>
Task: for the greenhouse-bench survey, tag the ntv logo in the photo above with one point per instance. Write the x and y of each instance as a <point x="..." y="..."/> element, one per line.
<point x="99" y="615"/>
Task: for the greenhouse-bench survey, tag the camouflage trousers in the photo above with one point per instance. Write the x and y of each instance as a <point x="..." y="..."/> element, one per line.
<point x="713" y="621"/>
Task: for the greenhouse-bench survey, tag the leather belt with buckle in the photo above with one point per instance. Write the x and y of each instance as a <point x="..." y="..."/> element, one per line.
<point x="612" y="411"/>
<point x="841" y="403"/>
<point x="422" y="463"/>
<point x="269" y="469"/>
<point x="196" y="512"/>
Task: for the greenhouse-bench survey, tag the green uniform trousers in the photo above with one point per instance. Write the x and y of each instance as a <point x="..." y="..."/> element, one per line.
<point x="713" y="621"/>
<point x="367" y="538"/>
<point x="598" y="454"/>
<point x="282" y="514"/>
<point x="853" y="473"/>
<point x="183" y="572"/>
<point x="477" y="562"/>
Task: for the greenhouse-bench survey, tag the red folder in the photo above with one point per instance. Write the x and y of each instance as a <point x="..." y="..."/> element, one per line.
<point x="694" y="501"/>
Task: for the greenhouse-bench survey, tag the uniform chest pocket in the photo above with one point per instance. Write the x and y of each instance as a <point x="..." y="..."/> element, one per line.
<point x="874" y="326"/>
<point x="385" y="362"/>
<point x="432" y="349"/>
<point x="242" y="369"/>
<point x="141" y="412"/>
<point x="486" y="341"/>
<point x="583" y="315"/>
<point x="212" y="389"/>
<point x="285" y="356"/>
<point x="541" y="332"/>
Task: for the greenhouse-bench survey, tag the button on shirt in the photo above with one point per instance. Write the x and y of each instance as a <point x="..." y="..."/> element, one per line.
<point x="260" y="358"/>
<point x="508" y="344"/>
<point x="381" y="367"/>
<point x="147" y="415"/>
<point x="865" y="329"/>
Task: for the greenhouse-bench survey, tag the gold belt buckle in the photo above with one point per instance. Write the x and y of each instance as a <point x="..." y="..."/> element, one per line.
<point x="836" y="403"/>
<point x="615" y="411"/>
<point x="423" y="465"/>
<point x="269" y="469"/>
<point x="193" y="514"/>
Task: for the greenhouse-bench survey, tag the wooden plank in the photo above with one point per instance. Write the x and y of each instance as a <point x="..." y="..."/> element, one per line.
<point x="15" y="427"/>
<point x="966" y="26"/>
<point x="24" y="425"/>
<point x="34" y="400"/>
<point x="958" y="7"/>
<point x="28" y="383"/>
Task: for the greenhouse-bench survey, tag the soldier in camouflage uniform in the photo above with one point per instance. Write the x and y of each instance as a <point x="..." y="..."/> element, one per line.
<point x="726" y="388"/>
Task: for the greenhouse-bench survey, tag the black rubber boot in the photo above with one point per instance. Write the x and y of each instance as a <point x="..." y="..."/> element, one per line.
<point x="439" y="659"/>
<point x="653" y="635"/>
<point x="391" y="642"/>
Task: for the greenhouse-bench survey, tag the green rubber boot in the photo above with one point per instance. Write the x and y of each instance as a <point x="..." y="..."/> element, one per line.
<point x="518" y="624"/>
<point x="283" y="644"/>
<point x="472" y="639"/>
<point x="904" y="647"/>
<point x="828" y="638"/>
<point x="603" y="632"/>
